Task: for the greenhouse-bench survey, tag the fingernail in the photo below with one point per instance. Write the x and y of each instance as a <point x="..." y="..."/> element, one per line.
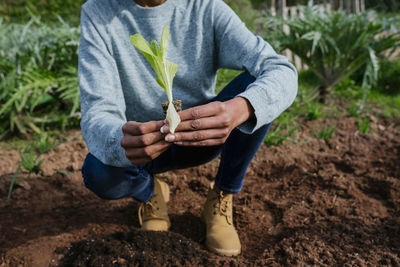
<point x="164" y="129"/>
<point x="178" y="143"/>
<point x="170" y="138"/>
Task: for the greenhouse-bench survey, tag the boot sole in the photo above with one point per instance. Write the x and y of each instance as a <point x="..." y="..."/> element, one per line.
<point x="224" y="252"/>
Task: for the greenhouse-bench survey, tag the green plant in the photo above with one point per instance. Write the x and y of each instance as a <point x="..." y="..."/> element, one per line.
<point x="165" y="70"/>
<point x="326" y="132"/>
<point x="31" y="161"/>
<point x="389" y="77"/>
<point x="363" y="124"/>
<point x="336" y="44"/>
<point x="21" y="11"/>
<point x="281" y="129"/>
<point x="313" y="111"/>
<point x="30" y="157"/>
<point x="38" y="71"/>
<point x="386" y="105"/>
<point x="278" y="135"/>
<point x="349" y="89"/>
<point x="353" y="110"/>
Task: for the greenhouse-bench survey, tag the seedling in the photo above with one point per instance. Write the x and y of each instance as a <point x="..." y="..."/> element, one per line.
<point x="276" y="137"/>
<point x="157" y="57"/>
<point x="326" y="132"/>
<point x="363" y="124"/>
<point x="30" y="157"/>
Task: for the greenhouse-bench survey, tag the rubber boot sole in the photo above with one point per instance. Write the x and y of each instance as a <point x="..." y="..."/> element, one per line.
<point x="224" y="252"/>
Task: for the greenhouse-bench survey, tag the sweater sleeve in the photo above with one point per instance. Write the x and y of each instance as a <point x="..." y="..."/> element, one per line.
<point x="275" y="87"/>
<point x="102" y="99"/>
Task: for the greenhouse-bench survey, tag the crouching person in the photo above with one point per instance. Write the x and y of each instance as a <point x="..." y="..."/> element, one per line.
<point x="123" y="123"/>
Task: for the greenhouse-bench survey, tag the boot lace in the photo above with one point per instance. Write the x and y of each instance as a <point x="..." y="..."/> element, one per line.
<point x="148" y="210"/>
<point x="223" y="207"/>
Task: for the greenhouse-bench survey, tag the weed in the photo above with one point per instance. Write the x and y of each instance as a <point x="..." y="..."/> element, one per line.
<point x="314" y="111"/>
<point x="31" y="161"/>
<point x="325" y="133"/>
<point x="30" y="157"/>
<point x="13" y="180"/>
<point x="277" y="137"/>
<point x="363" y="124"/>
<point x="353" y="110"/>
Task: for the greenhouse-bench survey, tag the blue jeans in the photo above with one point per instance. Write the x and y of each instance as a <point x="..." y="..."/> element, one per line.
<point x="111" y="182"/>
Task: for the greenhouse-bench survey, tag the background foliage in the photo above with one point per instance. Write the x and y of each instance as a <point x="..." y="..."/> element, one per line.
<point x="38" y="65"/>
<point x="21" y="11"/>
<point x="38" y="70"/>
<point x="334" y="45"/>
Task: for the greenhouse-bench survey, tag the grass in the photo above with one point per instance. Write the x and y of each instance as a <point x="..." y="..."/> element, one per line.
<point x="313" y="111"/>
<point x="326" y="132"/>
<point x="30" y="157"/>
<point x="387" y="106"/>
<point x="363" y="124"/>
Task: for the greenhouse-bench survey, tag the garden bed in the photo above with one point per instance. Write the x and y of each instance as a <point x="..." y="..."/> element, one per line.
<point x="308" y="202"/>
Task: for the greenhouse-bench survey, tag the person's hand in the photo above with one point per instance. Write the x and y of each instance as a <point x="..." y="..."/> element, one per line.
<point x="143" y="142"/>
<point x="210" y="124"/>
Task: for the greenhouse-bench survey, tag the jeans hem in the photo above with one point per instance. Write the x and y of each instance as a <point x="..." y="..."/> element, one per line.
<point x="228" y="190"/>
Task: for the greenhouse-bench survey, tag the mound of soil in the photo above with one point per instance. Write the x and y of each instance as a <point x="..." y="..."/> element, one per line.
<point x="306" y="202"/>
<point x="138" y="247"/>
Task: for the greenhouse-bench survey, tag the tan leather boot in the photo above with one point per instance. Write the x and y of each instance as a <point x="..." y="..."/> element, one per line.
<point x="222" y="237"/>
<point x="153" y="215"/>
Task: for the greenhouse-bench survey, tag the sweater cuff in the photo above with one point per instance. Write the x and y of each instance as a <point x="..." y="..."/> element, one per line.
<point x="264" y="111"/>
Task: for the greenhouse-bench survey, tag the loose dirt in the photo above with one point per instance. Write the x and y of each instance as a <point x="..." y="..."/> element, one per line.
<point x="307" y="202"/>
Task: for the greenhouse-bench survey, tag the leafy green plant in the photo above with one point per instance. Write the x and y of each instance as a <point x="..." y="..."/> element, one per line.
<point x="157" y="57"/>
<point x="21" y="11"/>
<point x="363" y="124"/>
<point x="336" y="44"/>
<point x="349" y="89"/>
<point x="38" y="71"/>
<point x="326" y="132"/>
<point x="30" y="157"/>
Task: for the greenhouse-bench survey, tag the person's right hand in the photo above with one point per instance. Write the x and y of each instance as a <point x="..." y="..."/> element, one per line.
<point x="143" y="142"/>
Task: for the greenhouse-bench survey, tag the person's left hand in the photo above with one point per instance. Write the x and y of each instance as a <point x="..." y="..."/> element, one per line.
<point x="209" y="124"/>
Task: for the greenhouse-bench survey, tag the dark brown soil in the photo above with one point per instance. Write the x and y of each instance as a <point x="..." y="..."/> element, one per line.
<point x="308" y="202"/>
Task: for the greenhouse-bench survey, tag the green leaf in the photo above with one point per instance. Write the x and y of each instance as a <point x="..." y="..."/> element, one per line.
<point x="165" y="36"/>
<point x="141" y="44"/>
<point x="165" y="70"/>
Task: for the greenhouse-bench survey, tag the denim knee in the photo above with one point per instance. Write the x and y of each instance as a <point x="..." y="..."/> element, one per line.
<point x="97" y="180"/>
<point x="109" y="182"/>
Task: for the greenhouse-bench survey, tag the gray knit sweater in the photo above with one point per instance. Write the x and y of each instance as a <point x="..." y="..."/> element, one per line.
<point x="118" y="85"/>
